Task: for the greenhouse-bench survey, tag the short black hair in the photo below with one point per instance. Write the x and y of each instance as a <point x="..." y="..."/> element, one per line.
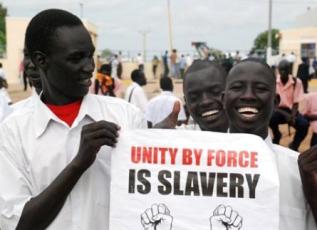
<point x="255" y="60"/>
<point x="166" y="84"/>
<point x="136" y="75"/>
<point x="198" y="65"/>
<point x="40" y="30"/>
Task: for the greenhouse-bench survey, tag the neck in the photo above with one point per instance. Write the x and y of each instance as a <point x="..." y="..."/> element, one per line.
<point x="284" y="80"/>
<point x="57" y="99"/>
<point x="263" y="133"/>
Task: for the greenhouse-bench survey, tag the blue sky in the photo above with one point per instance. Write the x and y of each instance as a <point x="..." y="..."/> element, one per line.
<point x="224" y="24"/>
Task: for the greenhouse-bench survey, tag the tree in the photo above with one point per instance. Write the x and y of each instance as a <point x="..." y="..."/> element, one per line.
<point x="3" y="14"/>
<point x="260" y="42"/>
<point x="106" y="53"/>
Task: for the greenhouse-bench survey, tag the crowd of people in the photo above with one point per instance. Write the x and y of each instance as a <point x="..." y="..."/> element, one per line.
<point x="55" y="146"/>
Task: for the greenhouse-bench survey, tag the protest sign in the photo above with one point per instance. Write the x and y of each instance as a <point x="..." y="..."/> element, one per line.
<point x="167" y="179"/>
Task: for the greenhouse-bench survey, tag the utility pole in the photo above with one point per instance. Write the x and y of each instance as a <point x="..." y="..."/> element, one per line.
<point x="170" y="25"/>
<point x="144" y="33"/>
<point x="81" y="5"/>
<point x="269" y="34"/>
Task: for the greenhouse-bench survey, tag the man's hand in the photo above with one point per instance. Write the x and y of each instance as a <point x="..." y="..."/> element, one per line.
<point x="307" y="163"/>
<point x="93" y="137"/>
<point x="224" y="218"/>
<point x="157" y="218"/>
<point x="170" y="121"/>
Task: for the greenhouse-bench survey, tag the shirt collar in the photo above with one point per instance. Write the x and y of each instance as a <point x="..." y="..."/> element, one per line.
<point x="43" y="115"/>
<point x="166" y="92"/>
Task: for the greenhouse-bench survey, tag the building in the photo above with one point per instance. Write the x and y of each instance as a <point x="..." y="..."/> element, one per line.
<point x="302" y="38"/>
<point x="15" y="32"/>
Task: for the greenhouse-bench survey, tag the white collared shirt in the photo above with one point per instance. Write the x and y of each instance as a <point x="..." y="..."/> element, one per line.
<point x="27" y="103"/>
<point x="136" y="96"/>
<point x="161" y="106"/>
<point x="5" y="109"/>
<point x="35" y="146"/>
<point x="295" y="213"/>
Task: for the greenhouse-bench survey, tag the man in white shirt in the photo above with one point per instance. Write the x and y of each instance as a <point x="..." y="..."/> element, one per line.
<point x="55" y="158"/>
<point x="134" y="93"/>
<point x="249" y="103"/>
<point x="161" y="106"/>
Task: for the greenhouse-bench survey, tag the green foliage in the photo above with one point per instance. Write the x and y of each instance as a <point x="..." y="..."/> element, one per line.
<point x="260" y="42"/>
<point x="106" y="53"/>
<point x="3" y="14"/>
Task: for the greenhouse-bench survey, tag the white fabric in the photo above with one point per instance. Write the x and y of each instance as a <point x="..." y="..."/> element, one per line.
<point x="138" y="97"/>
<point x="5" y="109"/>
<point x="161" y="106"/>
<point x="4" y="93"/>
<point x="193" y="126"/>
<point x="27" y="103"/>
<point x="2" y="74"/>
<point x="35" y="146"/>
<point x="294" y="210"/>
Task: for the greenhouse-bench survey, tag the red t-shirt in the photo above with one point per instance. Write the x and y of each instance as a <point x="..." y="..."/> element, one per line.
<point x="67" y="113"/>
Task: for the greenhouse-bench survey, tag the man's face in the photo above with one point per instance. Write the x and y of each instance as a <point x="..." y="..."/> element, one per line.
<point x="31" y="71"/>
<point x="70" y="65"/>
<point x="203" y="91"/>
<point x="249" y="98"/>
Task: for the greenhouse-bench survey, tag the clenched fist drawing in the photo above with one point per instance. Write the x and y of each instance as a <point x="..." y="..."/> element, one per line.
<point x="157" y="218"/>
<point x="224" y="218"/>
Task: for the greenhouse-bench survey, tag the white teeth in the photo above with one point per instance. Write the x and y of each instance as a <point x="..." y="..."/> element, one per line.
<point x="248" y="115"/>
<point x="247" y="110"/>
<point x="209" y="113"/>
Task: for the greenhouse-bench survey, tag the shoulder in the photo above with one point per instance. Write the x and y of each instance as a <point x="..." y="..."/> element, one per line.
<point x="112" y="103"/>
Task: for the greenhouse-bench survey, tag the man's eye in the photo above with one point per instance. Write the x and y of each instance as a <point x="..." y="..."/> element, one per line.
<point x="235" y="87"/>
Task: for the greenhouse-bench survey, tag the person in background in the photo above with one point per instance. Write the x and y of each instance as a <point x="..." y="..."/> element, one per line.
<point x="135" y="93"/>
<point x="161" y="106"/>
<point x="310" y="113"/>
<point x="182" y="66"/>
<point x="290" y="90"/>
<point x="155" y="64"/>
<point x="106" y="82"/>
<point x="303" y="73"/>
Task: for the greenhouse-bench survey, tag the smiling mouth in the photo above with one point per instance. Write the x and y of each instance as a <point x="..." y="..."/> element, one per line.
<point x="210" y="115"/>
<point x="248" y="112"/>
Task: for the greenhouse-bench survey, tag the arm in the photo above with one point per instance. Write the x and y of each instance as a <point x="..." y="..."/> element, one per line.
<point x="41" y="210"/>
<point x="311" y="117"/>
<point x="307" y="162"/>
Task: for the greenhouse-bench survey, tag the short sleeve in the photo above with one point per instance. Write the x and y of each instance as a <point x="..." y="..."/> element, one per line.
<point x="299" y="91"/>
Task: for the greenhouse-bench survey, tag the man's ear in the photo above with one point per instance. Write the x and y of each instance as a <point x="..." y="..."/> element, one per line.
<point x="39" y="59"/>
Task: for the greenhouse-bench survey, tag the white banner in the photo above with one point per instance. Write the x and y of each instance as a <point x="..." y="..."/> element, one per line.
<point x="190" y="180"/>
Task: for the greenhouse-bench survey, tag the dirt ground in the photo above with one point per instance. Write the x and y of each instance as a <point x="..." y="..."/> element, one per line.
<point x="152" y="88"/>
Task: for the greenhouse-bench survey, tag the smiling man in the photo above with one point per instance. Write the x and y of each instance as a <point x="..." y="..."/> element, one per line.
<point x="249" y="103"/>
<point x="203" y="87"/>
<point x="55" y="158"/>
